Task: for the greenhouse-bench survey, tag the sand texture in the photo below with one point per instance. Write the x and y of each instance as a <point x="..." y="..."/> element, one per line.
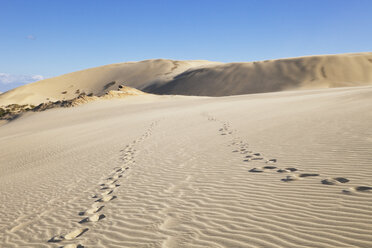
<point x="203" y="78"/>
<point x="284" y="169"/>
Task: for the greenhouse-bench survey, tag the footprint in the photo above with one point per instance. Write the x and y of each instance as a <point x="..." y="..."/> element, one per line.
<point x="256" y="170"/>
<point x="270" y="161"/>
<point x="287" y="170"/>
<point x="308" y="175"/>
<point x="111" y="186"/>
<point x="75" y="233"/>
<point x="107" y="192"/>
<point x="291" y="178"/>
<point x="252" y="159"/>
<point x="71" y="235"/>
<point x="269" y="167"/>
<point x="256" y="158"/>
<point x="73" y="246"/>
<point x="335" y="180"/>
<point x="106" y="198"/>
<point x="108" y="183"/>
<point x="114" y="177"/>
<point x="93" y="218"/>
<point x="92" y="210"/>
<point x="56" y="239"/>
<point x="261" y="169"/>
<point x="358" y="188"/>
<point x="363" y="188"/>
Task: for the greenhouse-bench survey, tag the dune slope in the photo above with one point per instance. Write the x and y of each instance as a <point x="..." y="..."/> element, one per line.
<point x="202" y="78"/>
<point x="311" y="72"/>
<point x="286" y="169"/>
<point x="98" y="81"/>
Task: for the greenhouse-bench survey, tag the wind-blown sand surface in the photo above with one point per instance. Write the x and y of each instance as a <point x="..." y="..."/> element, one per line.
<point x="172" y="171"/>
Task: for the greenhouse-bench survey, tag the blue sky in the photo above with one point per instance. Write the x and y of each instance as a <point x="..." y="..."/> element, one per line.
<point x="45" y="38"/>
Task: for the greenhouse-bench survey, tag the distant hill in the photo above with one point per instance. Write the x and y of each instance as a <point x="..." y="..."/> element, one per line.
<point x="203" y="78"/>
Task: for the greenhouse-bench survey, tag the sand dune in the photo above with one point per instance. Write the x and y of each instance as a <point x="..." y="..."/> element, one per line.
<point x="284" y="169"/>
<point x="311" y="72"/>
<point x="202" y="78"/>
<point x="98" y="81"/>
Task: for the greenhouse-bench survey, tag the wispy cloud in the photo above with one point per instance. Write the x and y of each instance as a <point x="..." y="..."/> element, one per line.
<point x="10" y="81"/>
<point x="6" y="78"/>
<point x="31" y="37"/>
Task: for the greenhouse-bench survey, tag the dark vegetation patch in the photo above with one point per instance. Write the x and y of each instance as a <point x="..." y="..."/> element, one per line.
<point x="10" y="110"/>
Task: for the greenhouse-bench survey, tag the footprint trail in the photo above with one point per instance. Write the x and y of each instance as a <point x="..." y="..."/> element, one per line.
<point x="105" y="192"/>
<point x="271" y="164"/>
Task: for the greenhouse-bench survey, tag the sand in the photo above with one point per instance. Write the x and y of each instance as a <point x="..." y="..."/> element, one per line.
<point x="202" y="78"/>
<point x="284" y="169"/>
<point x="99" y="80"/>
<point x="312" y="72"/>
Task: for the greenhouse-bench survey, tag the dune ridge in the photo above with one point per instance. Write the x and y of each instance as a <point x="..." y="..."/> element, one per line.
<point x="311" y="72"/>
<point x="202" y="78"/>
<point x="98" y="81"/>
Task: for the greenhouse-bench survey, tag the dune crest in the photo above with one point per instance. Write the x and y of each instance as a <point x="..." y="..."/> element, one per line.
<point x="312" y="72"/>
<point x="98" y="81"/>
<point x="203" y="78"/>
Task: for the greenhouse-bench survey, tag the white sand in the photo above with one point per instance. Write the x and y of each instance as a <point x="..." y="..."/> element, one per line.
<point x="161" y="171"/>
<point x="203" y="78"/>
